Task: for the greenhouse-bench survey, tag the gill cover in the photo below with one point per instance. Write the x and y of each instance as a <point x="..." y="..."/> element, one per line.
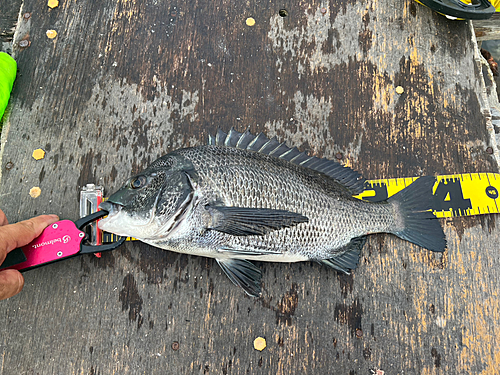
<point x="153" y="202"/>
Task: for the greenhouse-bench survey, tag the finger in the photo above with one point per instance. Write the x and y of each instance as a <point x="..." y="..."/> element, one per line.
<point x="11" y="283"/>
<point x="3" y="219"/>
<point x="19" y="234"/>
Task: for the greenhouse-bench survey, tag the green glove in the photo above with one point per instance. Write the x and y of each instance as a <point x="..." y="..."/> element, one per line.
<point x="8" y="71"/>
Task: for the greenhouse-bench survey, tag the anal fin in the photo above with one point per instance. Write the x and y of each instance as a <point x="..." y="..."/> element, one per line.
<point x="243" y="273"/>
<point x="348" y="260"/>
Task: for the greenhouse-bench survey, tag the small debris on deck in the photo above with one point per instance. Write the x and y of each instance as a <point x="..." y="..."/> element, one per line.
<point x="53" y="4"/>
<point x="250" y="21"/>
<point x="259" y="344"/>
<point x="38" y="154"/>
<point x="51" y="34"/>
<point x="35" y="192"/>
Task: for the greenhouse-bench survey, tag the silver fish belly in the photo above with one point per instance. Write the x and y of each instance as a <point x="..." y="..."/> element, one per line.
<point x="245" y="197"/>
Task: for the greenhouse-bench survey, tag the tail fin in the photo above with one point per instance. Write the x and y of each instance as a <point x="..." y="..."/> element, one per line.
<point x="420" y="226"/>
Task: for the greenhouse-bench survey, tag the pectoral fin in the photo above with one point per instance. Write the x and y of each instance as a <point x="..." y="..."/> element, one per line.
<point x="243" y="221"/>
<point x="243" y="273"/>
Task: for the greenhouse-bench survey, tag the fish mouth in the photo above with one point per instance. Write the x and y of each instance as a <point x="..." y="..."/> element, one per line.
<point x="113" y="210"/>
<point x="120" y="222"/>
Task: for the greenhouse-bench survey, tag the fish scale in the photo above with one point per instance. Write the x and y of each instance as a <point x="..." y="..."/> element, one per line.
<point x="244" y="197"/>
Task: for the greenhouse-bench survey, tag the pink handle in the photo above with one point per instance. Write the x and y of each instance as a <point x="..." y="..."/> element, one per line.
<point x="58" y="241"/>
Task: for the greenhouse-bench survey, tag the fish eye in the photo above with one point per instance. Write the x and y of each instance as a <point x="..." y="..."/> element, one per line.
<point x="138" y="182"/>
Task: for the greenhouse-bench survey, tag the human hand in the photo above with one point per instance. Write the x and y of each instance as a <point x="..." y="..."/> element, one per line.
<point x="13" y="236"/>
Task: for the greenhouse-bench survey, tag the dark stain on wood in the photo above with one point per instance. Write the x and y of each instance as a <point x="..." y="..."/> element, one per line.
<point x="437" y="357"/>
<point x="131" y="300"/>
<point x="113" y="174"/>
<point x="346" y="283"/>
<point x="332" y="43"/>
<point x="286" y="307"/>
<point x="88" y="171"/>
<point x="41" y="176"/>
<point x="366" y="35"/>
<point x="351" y="315"/>
<point x="413" y="9"/>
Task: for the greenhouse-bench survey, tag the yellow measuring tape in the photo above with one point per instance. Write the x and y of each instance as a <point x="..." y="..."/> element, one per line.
<point x="454" y="195"/>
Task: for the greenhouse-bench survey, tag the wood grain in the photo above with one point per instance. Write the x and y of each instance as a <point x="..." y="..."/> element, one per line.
<point x="127" y="81"/>
<point x="487" y="29"/>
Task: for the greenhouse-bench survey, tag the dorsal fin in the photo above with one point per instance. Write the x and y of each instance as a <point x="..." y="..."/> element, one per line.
<point x="260" y="143"/>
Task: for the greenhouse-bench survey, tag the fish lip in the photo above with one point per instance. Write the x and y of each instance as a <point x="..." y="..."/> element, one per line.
<point x="111" y="207"/>
<point x="114" y="209"/>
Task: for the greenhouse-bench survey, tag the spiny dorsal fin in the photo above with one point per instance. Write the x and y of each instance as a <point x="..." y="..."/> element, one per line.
<point x="260" y="143"/>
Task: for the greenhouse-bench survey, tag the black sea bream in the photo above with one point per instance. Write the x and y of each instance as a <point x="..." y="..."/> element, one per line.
<point x="244" y="197"/>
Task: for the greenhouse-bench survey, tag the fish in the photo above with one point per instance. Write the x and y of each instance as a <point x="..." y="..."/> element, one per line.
<point x="244" y="197"/>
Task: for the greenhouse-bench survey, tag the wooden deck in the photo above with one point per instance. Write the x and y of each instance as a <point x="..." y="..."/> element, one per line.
<point x="127" y="81"/>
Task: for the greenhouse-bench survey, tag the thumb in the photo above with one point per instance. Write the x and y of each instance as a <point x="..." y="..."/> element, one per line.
<point x="11" y="283"/>
<point x="19" y="234"/>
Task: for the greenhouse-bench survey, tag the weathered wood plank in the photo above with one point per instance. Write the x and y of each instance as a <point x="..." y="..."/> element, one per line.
<point x="487" y="29"/>
<point x="8" y="18"/>
<point x="126" y="81"/>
